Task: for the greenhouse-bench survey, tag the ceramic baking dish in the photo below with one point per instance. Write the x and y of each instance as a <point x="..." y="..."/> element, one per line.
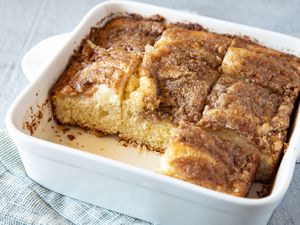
<point x="103" y="172"/>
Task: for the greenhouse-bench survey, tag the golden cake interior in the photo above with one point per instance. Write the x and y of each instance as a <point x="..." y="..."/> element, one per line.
<point x="218" y="107"/>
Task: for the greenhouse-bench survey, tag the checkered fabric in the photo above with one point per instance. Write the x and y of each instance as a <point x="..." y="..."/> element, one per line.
<point x="22" y="201"/>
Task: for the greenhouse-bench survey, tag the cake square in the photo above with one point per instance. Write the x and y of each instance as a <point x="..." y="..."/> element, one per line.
<point x="271" y="69"/>
<point x="203" y="158"/>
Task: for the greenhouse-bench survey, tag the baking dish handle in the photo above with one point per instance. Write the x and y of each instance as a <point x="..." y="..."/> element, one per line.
<point x="38" y="56"/>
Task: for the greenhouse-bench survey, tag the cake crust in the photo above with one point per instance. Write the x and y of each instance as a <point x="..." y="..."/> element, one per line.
<point x="131" y="32"/>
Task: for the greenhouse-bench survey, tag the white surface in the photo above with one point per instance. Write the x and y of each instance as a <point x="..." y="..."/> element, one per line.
<point x="168" y="201"/>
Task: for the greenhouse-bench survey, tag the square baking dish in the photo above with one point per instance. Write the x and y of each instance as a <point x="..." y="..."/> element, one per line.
<point x="103" y="172"/>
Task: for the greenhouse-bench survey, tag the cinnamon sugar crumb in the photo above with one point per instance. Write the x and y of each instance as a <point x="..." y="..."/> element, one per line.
<point x="71" y="137"/>
<point x="139" y="146"/>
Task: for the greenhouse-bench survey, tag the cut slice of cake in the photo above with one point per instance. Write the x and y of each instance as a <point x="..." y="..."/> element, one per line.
<point x="89" y="95"/>
<point x="203" y="158"/>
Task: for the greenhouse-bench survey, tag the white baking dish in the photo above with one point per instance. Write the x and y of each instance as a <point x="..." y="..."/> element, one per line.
<point x="101" y="171"/>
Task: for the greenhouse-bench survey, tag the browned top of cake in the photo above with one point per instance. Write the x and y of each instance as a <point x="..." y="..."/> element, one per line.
<point x="111" y="67"/>
<point x="129" y="33"/>
<point x="83" y="56"/>
<point x="269" y="68"/>
<point x="247" y="43"/>
<point x="109" y="55"/>
<point x="214" y="162"/>
<point x="184" y="64"/>
<point x="242" y="106"/>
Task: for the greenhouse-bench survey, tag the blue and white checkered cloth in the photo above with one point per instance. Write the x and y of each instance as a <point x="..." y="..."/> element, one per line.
<point x="22" y="201"/>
